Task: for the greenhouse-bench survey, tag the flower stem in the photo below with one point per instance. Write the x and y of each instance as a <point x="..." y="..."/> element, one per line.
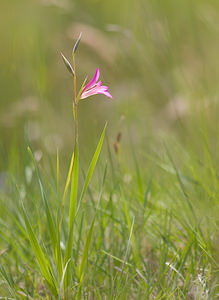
<point x="75" y="114"/>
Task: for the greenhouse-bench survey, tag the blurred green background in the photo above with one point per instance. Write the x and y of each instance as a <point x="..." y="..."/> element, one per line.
<point x="159" y="59"/>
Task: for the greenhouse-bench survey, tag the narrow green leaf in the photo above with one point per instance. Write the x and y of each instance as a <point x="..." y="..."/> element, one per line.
<point x="186" y="196"/>
<point x="68" y="180"/>
<point x="84" y="258"/>
<point x="146" y="195"/>
<point x="8" y="278"/>
<point x="124" y="262"/>
<point x="51" y="225"/>
<point x="72" y="212"/>
<point x="93" y="164"/>
<point x="79" y="237"/>
<point x="85" y="251"/>
<point x="138" y="174"/>
<point x="74" y="189"/>
<point x="129" y="223"/>
<point x="62" y="280"/>
<point x="161" y="276"/>
<point x="59" y="252"/>
<point x="12" y="242"/>
<point x="44" y="264"/>
<point x="57" y="173"/>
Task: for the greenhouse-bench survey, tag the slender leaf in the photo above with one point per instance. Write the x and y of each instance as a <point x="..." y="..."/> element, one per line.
<point x="68" y="180"/>
<point x="84" y="258"/>
<point x="51" y="225"/>
<point x="44" y="264"/>
<point x="93" y="164"/>
<point x="72" y="211"/>
<point x="57" y="173"/>
<point x="62" y="280"/>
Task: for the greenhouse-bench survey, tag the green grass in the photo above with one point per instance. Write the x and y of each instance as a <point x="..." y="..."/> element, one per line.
<point x="142" y="224"/>
<point x="147" y="232"/>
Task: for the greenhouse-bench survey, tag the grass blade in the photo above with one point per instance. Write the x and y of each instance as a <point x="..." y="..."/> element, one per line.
<point x="62" y="280"/>
<point x="68" y="181"/>
<point x="57" y="173"/>
<point x="72" y="212"/>
<point x="51" y="225"/>
<point x="74" y="189"/>
<point x="93" y="164"/>
<point x="84" y="258"/>
<point x="44" y="264"/>
<point x="59" y="259"/>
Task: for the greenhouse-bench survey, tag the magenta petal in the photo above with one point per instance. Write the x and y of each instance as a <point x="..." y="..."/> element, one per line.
<point x="93" y="81"/>
<point x="94" y="87"/>
<point x="106" y="93"/>
<point x="98" y="83"/>
<point x="95" y="91"/>
<point x="103" y="88"/>
<point x="88" y="93"/>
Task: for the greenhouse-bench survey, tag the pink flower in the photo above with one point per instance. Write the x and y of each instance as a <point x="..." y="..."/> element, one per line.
<point x="94" y="87"/>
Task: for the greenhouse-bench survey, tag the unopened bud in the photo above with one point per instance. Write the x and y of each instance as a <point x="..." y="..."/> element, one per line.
<point x="68" y="65"/>
<point x="76" y="44"/>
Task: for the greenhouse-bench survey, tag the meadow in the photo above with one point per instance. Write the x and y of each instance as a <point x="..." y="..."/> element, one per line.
<point x="106" y="198"/>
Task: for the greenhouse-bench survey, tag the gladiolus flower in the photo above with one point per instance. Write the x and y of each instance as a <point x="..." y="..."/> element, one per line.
<point x="94" y="87"/>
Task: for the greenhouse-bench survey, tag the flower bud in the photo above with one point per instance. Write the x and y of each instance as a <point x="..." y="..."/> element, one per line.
<point x="68" y="65"/>
<point x="76" y="44"/>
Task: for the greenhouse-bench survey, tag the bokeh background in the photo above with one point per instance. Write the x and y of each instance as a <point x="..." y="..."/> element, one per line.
<point x="159" y="59"/>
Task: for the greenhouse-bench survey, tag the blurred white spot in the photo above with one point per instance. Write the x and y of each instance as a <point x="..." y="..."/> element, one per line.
<point x="119" y="29"/>
<point x="127" y="178"/>
<point x="38" y="155"/>
<point x="96" y="197"/>
<point x="114" y="198"/>
<point x="22" y="192"/>
<point x="33" y="130"/>
<point x="28" y="174"/>
<point x="62" y="245"/>
<point x="105" y="196"/>
<point x="176" y="108"/>
<point x="52" y="142"/>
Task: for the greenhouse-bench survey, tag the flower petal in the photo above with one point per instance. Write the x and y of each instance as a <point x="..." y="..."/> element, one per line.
<point x="98" y="83"/>
<point x="93" y="81"/>
<point x="88" y="93"/>
<point x="106" y="93"/>
<point x="96" y="90"/>
<point x="103" y="88"/>
<point x="94" y="87"/>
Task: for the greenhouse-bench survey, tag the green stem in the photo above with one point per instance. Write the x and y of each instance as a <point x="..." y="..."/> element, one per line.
<point x="75" y="113"/>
